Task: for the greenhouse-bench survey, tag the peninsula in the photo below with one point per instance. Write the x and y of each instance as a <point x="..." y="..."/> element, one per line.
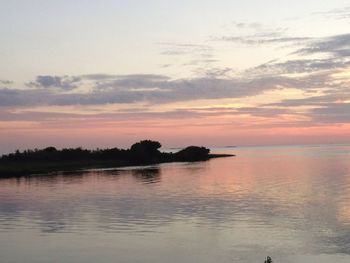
<point x="50" y="159"/>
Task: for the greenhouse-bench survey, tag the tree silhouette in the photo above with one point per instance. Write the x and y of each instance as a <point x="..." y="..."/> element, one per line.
<point x="193" y="153"/>
<point x="145" y="151"/>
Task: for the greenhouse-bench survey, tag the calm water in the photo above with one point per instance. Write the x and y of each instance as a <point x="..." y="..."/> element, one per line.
<point x="292" y="203"/>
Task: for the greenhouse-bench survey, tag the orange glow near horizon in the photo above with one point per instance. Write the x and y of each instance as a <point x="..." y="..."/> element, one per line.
<point x="178" y="132"/>
<point x="209" y="123"/>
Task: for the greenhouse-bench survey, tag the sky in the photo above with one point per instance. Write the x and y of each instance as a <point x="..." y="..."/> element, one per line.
<point x="213" y="73"/>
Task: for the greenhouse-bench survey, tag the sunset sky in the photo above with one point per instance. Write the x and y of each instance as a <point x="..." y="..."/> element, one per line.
<point x="214" y="73"/>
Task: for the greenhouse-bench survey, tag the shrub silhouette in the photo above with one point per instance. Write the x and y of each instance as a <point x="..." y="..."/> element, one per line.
<point x="145" y="151"/>
<point x="193" y="153"/>
<point x="268" y="260"/>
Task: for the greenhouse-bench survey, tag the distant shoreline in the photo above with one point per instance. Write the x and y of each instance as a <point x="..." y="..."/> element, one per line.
<point x="50" y="159"/>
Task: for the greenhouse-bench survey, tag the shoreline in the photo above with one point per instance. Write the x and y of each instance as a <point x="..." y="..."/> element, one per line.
<point x="35" y="168"/>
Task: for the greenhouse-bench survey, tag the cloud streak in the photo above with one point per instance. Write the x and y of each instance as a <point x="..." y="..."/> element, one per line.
<point x="300" y="66"/>
<point x="6" y="82"/>
<point x="338" y="46"/>
<point x="339" y="13"/>
<point x="153" y="89"/>
<point x="257" y="34"/>
<point x="261" y="39"/>
<point x="58" y="82"/>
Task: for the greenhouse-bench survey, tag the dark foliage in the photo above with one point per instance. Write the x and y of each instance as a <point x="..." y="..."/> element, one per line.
<point x="66" y="154"/>
<point x="268" y="260"/>
<point x="145" y="151"/>
<point x="193" y="153"/>
<point x="52" y="159"/>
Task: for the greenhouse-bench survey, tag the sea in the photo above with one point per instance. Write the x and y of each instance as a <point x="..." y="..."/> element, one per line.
<point x="291" y="203"/>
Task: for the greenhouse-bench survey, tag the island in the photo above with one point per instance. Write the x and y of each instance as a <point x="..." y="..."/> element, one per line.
<point x="50" y="159"/>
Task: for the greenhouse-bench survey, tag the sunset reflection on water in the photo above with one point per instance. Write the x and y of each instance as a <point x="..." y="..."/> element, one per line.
<point x="288" y="202"/>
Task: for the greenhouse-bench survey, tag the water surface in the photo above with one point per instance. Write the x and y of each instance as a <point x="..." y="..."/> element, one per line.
<point x="292" y="203"/>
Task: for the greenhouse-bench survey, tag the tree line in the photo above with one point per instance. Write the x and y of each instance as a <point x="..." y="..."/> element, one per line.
<point x="143" y="152"/>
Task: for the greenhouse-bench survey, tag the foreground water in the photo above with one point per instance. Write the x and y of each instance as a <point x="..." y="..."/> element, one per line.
<point x="292" y="203"/>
